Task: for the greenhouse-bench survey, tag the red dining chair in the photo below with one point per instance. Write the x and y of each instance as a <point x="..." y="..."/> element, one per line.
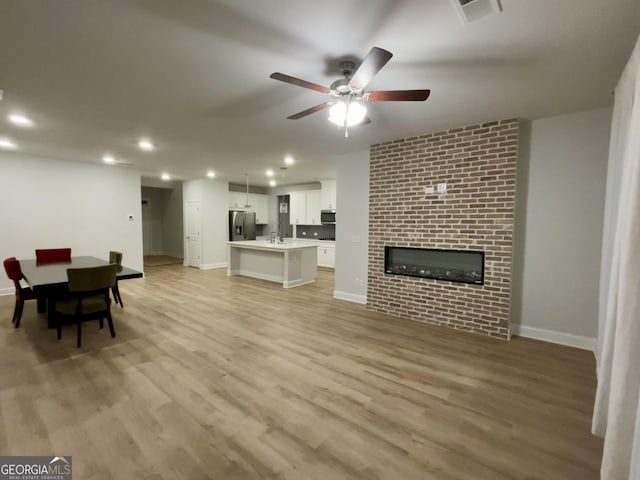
<point x="53" y="255"/>
<point x="14" y="272"/>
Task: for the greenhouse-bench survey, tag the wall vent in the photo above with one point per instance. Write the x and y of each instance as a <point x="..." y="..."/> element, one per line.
<point x="472" y="10"/>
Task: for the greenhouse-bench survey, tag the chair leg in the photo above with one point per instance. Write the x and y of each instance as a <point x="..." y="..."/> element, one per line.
<point x="117" y="296"/>
<point x="110" y="322"/>
<point x="20" y="308"/>
<point x="79" y="333"/>
<point x="15" y="311"/>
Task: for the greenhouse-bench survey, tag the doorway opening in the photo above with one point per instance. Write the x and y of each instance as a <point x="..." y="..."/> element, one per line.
<point x="162" y="226"/>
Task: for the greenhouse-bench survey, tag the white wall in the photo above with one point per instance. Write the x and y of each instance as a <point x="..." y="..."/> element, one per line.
<point x="152" y="220"/>
<point x="172" y="223"/>
<point x="352" y="226"/>
<point x="162" y="226"/>
<point x="559" y="220"/>
<point x="48" y="203"/>
<point x="213" y="196"/>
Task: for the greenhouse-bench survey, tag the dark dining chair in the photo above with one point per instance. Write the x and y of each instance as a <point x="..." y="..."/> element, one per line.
<point x="14" y="272"/>
<point x="89" y="298"/>
<point x="116" y="257"/>
<point x="52" y="255"/>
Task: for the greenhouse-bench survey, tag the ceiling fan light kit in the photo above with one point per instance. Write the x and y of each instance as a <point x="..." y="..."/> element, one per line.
<point x="347" y="114"/>
<point x="347" y="107"/>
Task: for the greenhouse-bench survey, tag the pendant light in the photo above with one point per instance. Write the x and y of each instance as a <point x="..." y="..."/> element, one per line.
<point x="247" y="205"/>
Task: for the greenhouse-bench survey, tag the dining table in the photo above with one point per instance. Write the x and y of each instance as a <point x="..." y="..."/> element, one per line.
<point x="50" y="283"/>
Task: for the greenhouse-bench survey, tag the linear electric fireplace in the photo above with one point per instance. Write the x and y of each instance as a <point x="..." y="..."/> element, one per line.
<point x="463" y="266"/>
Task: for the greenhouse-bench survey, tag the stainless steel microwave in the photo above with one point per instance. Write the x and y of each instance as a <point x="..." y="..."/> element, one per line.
<point x="327" y="216"/>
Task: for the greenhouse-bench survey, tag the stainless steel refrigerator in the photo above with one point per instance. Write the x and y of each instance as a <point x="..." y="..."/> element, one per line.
<point x="242" y="225"/>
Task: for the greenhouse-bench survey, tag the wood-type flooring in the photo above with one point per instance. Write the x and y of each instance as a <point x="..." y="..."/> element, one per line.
<point x="216" y="377"/>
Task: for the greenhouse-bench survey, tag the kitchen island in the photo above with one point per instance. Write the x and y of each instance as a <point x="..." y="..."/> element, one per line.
<point x="291" y="264"/>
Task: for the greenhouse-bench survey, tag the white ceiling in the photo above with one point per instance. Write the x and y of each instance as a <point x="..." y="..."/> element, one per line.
<point x="193" y="75"/>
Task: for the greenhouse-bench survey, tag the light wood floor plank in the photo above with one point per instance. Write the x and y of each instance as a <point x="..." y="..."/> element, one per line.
<point x="227" y="377"/>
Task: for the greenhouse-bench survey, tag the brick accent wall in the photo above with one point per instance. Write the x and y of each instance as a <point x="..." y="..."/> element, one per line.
<point x="478" y="164"/>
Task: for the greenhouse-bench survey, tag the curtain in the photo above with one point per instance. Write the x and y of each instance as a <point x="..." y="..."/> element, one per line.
<point x="617" y="406"/>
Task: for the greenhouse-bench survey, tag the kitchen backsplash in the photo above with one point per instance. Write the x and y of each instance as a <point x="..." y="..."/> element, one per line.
<point x="316" y="232"/>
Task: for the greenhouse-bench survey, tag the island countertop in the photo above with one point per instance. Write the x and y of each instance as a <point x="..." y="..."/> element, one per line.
<point x="267" y="245"/>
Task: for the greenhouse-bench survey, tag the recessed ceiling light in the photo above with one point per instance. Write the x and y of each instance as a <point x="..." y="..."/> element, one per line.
<point x="7" y="144"/>
<point x="20" y="119"/>
<point x="269" y="173"/>
<point x="146" y="145"/>
<point x="288" y="160"/>
<point x="108" y="159"/>
<point x="166" y="176"/>
<point x="211" y="174"/>
<point x="272" y="183"/>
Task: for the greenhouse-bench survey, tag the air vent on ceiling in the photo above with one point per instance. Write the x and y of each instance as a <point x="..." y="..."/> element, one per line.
<point x="471" y="10"/>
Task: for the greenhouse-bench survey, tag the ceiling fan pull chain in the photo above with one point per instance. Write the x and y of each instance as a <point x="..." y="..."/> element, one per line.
<point x="346" y="116"/>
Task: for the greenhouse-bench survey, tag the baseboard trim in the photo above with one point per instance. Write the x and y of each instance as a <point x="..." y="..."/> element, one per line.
<point x="350" y="297"/>
<point x="7" y="291"/>
<point x="561" y="338"/>
<point x="211" y="266"/>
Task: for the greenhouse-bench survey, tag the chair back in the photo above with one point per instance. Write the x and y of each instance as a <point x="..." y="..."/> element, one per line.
<point x="116" y="257"/>
<point x="12" y="267"/>
<point x="92" y="279"/>
<point x="53" y="255"/>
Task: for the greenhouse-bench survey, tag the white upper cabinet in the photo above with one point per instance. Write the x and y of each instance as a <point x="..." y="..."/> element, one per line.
<point x="328" y="196"/>
<point x="313" y="207"/>
<point x="298" y="208"/>
<point x="237" y="200"/>
<point x="260" y="204"/>
<point x="304" y="207"/>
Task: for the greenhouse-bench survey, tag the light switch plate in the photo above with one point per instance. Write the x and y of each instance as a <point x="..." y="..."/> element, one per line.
<point x="429" y="190"/>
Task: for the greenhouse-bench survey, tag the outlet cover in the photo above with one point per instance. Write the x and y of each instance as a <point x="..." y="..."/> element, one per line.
<point x="442" y="188"/>
<point x="429" y="190"/>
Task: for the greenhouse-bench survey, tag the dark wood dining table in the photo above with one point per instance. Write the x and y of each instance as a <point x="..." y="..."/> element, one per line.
<point x="49" y="281"/>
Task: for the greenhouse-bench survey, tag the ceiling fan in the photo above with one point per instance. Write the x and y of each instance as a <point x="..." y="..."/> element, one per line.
<point x="347" y="108"/>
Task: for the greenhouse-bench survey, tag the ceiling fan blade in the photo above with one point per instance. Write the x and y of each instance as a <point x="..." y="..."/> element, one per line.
<point x="372" y="63"/>
<point x="397" y="96"/>
<point x="301" y="83"/>
<point x="309" y="111"/>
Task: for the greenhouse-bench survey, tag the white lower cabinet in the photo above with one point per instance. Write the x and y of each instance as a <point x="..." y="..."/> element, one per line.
<point x="326" y="256"/>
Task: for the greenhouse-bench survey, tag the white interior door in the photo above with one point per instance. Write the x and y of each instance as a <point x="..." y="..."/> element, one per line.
<point x="193" y="234"/>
